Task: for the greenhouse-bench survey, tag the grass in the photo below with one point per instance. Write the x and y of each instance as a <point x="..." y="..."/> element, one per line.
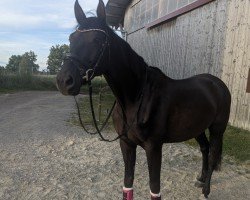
<point x="97" y="84"/>
<point x="12" y="83"/>
<point x="102" y="101"/>
<point x="236" y="143"/>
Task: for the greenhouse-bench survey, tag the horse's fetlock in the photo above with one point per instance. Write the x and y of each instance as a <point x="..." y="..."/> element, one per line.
<point x="128" y="181"/>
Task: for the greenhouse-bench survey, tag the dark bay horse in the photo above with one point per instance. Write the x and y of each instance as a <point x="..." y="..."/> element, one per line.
<point x="152" y="109"/>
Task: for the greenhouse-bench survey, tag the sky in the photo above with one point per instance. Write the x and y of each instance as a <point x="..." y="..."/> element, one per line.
<point x="36" y="25"/>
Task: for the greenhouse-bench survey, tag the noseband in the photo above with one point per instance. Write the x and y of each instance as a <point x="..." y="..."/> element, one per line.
<point x="88" y="74"/>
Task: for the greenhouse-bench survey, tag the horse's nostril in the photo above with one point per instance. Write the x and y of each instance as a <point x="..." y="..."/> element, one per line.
<point x="69" y="80"/>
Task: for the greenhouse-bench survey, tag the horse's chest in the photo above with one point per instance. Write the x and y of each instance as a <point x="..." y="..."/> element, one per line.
<point x="128" y="127"/>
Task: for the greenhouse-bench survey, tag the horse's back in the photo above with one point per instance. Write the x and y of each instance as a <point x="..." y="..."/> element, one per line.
<point x="208" y="82"/>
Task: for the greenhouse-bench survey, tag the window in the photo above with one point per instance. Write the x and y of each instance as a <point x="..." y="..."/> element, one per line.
<point x="141" y="13"/>
<point x="170" y="9"/>
<point x="150" y="13"/>
<point x="248" y="82"/>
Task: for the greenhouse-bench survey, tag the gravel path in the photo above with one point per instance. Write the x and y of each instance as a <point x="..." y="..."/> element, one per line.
<point x="42" y="156"/>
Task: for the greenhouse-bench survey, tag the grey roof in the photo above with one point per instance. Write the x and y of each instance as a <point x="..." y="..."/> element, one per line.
<point x="115" y="10"/>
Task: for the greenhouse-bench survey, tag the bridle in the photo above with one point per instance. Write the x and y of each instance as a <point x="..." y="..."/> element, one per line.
<point x="88" y="76"/>
<point x="88" y="73"/>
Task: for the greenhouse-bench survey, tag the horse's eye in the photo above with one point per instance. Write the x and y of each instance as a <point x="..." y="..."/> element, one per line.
<point x="71" y="37"/>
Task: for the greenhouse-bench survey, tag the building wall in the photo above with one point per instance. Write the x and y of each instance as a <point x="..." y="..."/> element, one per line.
<point x="202" y="41"/>
<point x="189" y="45"/>
<point x="236" y="61"/>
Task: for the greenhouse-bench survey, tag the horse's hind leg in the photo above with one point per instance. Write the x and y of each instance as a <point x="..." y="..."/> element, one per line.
<point x="204" y="147"/>
<point x="215" y="151"/>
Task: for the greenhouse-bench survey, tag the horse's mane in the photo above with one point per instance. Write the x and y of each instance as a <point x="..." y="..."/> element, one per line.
<point x="136" y="58"/>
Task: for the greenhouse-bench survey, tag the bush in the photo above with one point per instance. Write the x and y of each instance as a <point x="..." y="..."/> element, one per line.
<point x="12" y="82"/>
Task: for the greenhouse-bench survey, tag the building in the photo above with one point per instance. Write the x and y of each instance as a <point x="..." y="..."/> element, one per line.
<point x="189" y="37"/>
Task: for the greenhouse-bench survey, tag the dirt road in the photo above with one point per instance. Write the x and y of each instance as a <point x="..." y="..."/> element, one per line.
<point x="42" y="156"/>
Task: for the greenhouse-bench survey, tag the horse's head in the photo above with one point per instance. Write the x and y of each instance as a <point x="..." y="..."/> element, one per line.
<point x="88" y="47"/>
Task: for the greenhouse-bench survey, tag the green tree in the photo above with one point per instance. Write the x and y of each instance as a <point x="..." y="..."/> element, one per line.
<point x="23" y="64"/>
<point x="55" y="58"/>
<point x="27" y="64"/>
<point x="2" y="69"/>
<point x="13" y="64"/>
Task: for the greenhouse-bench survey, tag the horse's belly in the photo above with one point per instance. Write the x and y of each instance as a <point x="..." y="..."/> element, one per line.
<point x="176" y="136"/>
<point x="186" y="126"/>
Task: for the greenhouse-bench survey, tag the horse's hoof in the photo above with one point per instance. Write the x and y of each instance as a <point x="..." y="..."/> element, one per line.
<point x="203" y="198"/>
<point x="199" y="184"/>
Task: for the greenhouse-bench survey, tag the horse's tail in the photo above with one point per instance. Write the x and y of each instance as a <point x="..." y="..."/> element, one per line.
<point x="215" y="150"/>
<point x="219" y="126"/>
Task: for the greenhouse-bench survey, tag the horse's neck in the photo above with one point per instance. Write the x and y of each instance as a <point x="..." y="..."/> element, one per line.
<point x="126" y="73"/>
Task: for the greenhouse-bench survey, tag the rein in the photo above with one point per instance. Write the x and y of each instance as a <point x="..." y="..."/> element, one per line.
<point x="94" y="117"/>
<point x="88" y="77"/>
<point x="103" y="125"/>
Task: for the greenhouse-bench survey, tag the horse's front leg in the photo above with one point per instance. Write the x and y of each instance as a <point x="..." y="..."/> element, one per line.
<point x="154" y="157"/>
<point x="129" y="157"/>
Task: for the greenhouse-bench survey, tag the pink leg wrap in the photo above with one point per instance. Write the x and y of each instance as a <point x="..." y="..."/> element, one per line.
<point x="127" y="194"/>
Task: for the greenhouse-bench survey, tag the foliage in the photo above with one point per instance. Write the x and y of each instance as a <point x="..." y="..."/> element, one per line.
<point x="13" y="64"/>
<point x="236" y="143"/>
<point x="23" y="64"/>
<point x="2" y="70"/>
<point x="14" y="82"/>
<point x="55" y="58"/>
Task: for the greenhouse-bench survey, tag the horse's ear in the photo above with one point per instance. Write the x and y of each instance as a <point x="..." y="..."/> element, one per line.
<point x="80" y="16"/>
<point x="101" y="13"/>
